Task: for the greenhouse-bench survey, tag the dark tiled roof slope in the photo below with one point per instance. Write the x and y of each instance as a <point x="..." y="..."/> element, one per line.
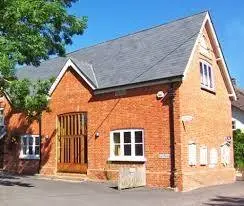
<point x="152" y="54"/>
<point x="239" y="103"/>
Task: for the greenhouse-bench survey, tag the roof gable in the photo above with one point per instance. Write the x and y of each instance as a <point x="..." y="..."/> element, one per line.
<point x="207" y="23"/>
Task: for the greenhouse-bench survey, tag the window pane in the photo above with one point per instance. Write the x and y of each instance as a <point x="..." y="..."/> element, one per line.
<point x="24" y="141"/>
<point x="24" y="150"/>
<point x="117" y="150"/>
<point x="30" y="150"/>
<point x="201" y="72"/>
<point x="210" y="77"/>
<point x="127" y="150"/>
<point x="37" y="141"/>
<point x="205" y="75"/>
<point x="138" y="137"/>
<point x="30" y="140"/>
<point x="127" y="137"/>
<point x="37" y="150"/>
<point x="116" y="137"/>
<point x="139" y="150"/>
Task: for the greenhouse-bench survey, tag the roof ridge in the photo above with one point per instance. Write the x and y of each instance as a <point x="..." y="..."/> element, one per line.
<point x="139" y="31"/>
<point x="123" y="36"/>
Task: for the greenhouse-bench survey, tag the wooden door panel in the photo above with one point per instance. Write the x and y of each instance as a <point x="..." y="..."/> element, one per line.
<point x="72" y="143"/>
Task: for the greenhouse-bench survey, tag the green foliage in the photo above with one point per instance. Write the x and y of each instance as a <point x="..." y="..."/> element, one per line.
<point x="32" y="30"/>
<point x="239" y="148"/>
<point x="30" y="98"/>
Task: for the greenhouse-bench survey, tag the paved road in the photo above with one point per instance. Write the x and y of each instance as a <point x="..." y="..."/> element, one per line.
<point x="38" y="192"/>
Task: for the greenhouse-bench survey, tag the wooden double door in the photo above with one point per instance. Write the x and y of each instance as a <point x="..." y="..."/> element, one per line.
<point x="72" y="143"/>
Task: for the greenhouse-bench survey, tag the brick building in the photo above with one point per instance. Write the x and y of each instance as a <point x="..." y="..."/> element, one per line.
<point x="158" y="98"/>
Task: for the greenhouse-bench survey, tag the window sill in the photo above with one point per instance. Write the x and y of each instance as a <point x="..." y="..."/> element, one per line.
<point x="127" y="159"/>
<point x="29" y="157"/>
<point x="207" y="89"/>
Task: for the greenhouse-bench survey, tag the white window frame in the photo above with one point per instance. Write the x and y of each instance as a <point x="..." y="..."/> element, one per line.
<point x="206" y="80"/>
<point x="192" y="154"/>
<point x="122" y="157"/>
<point x="2" y="123"/>
<point x="27" y="156"/>
<point x="203" y="155"/>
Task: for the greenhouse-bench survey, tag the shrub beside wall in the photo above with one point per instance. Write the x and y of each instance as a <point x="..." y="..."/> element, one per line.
<point x="239" y="149"/>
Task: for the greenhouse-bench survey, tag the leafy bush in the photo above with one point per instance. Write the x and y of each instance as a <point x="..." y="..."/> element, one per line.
<point x="239" y="149"/>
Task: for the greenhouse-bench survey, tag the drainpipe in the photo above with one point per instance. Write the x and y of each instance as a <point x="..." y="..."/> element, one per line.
<point x="40" y="139"/>
<point x="172" y="135"/>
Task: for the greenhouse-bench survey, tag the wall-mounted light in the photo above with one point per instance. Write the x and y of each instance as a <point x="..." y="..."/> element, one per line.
<point x="97" y="134"/>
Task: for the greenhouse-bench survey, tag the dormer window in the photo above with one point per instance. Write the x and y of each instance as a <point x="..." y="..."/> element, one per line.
<point x="206" y="72"/>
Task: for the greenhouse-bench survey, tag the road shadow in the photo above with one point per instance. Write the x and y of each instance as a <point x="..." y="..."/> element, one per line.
<point x="226" y="201"/>
<point x="14" y="183"/>
<point x="10" y="180"/>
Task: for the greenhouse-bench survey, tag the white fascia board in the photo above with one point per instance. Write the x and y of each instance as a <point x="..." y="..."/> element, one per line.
<point x="68" y="64"/>
<point x="194" y="49"/>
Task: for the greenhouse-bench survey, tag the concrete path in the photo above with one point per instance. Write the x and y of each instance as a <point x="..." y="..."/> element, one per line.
<point x="38" y="192"/>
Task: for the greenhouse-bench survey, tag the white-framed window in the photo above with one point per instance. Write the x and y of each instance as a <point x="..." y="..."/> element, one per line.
<point x="203" y="155"/>
<point x="30" y="147"/>
<point x="213" y="157"/>
<point x="1" y="117"/>
<point x="207" y="79"/>
<point x="225" y="154"/>
<point x="192" y="154"/>
<point x="127" y="145"/>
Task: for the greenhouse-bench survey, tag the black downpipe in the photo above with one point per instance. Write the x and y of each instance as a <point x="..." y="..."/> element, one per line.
<point x="40" y="137"/>
<point x="172" y="135"/>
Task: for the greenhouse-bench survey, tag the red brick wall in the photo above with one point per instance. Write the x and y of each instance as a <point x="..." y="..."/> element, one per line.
<point x="210" y="125"/>
<point x="17" y="125"/>
<point x="139" y="108"/>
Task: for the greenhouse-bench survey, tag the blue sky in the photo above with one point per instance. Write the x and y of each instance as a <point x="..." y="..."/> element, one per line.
<point x="109" y="19"/>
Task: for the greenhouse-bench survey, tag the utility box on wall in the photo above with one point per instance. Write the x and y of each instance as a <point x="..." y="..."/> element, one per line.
<point x="131" y="177"/>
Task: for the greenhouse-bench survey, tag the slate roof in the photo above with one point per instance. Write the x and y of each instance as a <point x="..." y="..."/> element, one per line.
<point x="239" y="103"/>
<point x="152" y="54"/>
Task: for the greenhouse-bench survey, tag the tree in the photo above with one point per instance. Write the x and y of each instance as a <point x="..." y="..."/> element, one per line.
<point x="239" y="149"/>
<point x="32" y="30"/>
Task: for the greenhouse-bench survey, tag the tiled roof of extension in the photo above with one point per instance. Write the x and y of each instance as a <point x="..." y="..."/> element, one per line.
<point x="157" y="53"/>
<point x="239" y="103"/>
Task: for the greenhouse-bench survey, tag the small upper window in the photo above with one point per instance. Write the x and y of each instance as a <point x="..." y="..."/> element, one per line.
<point x="206" y="72"/>
<point x="30" y="147"/>
<point x="127" y="145"/>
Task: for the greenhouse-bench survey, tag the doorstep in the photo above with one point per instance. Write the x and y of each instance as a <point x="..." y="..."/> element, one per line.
<point x="71" y="177"/>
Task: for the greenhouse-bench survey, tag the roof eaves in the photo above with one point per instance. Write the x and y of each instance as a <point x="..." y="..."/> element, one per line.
<point x="139" y="84"/>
